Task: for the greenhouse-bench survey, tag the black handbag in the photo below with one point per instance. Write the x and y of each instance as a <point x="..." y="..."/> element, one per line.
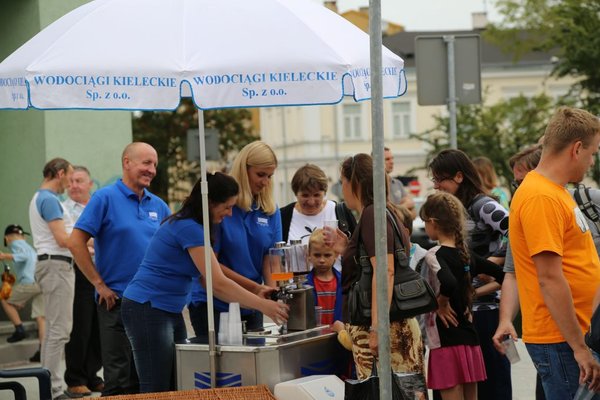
<point x="368" y="389"/>
<point x="412" y="295"/>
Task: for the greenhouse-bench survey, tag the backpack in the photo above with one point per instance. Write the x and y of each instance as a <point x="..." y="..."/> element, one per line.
<point x="585" y="204"/>
<point x="346" y="220"/>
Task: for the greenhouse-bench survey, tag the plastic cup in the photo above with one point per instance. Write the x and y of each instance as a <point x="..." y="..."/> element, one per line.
<point x="234" y="313"/>
<point x="318" y="315"/>
<point x="329" y="229"/>
<point x="331" y="223"/>
<point x="584" y="393"/>
<point x="511" y="350"/>
<point x="235" y="333"/>
<point x="235" y="324"/>
<point x="223" y="336"/>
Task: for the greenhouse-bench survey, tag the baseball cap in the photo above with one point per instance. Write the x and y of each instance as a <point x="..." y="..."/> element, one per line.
<point x="14" y="229"/>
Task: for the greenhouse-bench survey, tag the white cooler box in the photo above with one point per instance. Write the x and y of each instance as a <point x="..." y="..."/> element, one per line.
<point x="315" y="387"/>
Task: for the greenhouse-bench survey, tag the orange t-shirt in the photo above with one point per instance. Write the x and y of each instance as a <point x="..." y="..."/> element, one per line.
<point x="544" y="217"/>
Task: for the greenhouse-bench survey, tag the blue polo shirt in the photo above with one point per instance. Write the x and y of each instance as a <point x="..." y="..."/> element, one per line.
<point x="122" y="226"/>
<point x="245" y="239"/>
<point x="167" y="270"/>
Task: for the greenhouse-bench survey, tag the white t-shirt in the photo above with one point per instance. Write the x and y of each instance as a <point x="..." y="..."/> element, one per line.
<point x="301" y="226"/>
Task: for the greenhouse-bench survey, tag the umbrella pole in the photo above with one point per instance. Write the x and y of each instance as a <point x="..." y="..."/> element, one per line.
<point x="207" y="252"/>
<point x="383" y="320"/>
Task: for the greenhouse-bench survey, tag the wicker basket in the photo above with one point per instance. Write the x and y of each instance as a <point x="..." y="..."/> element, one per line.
<point x="260" y="392"/>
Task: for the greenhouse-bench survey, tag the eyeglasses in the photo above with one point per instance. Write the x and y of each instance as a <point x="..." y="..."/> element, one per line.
<point x="437" y="181"/>
<point x="516" y="183"/>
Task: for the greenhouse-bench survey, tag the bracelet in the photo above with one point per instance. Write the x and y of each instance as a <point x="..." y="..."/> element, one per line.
<point x="371" y="329"/>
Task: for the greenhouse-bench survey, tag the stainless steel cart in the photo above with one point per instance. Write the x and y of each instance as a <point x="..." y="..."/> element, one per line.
<point x="263" y="359"/>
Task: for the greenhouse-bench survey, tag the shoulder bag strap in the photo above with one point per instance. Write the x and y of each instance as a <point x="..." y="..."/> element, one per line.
<point x="585" y="204"/>
<point x="286" y="219"/>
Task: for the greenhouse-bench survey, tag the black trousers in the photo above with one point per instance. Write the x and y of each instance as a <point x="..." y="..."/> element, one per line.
<point x="498" y="385"/>
<point x="82" y="354"/>
<point x="120" y="376"/>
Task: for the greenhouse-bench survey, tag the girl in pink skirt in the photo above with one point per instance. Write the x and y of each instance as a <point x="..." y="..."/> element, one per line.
<point x="455" y="359"/>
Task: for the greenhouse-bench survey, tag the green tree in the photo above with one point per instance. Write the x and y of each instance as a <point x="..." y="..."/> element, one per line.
<point x="497" y="131"/>
<point x="566" y="28"/>
<point x="167" y="132"/>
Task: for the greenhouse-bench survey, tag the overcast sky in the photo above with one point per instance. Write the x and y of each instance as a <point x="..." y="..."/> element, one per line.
<point x="427" y="14"/>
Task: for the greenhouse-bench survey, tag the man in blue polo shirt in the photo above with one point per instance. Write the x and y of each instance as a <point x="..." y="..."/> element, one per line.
<point x="122" y="218"/>
<point x="54" y="269"/>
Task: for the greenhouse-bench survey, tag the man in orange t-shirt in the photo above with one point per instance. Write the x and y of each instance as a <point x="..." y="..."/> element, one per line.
<point x="556" y="264"/>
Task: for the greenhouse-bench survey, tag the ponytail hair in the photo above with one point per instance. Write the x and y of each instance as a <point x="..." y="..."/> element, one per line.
<point x="221" y="187"/>
<point x="450" y="218"/>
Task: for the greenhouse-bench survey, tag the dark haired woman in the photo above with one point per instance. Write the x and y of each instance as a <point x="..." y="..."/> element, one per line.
<point x="452" y="171"/>
<point x="153" y="301"/>
<point x="405" y="336"/>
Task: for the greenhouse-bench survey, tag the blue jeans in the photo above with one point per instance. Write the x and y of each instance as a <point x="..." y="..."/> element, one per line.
<point x="153" y="334"/>
<point x="558" y="369"/>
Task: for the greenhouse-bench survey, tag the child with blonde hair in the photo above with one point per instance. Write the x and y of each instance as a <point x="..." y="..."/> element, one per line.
<point x="455" y="358"/>
<point x="326" y="280"/>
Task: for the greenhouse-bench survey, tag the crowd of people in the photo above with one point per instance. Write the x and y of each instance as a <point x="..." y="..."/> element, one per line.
<point x="112" y="272"/>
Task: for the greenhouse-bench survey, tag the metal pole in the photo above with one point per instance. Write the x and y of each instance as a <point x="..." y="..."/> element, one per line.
<point x="451" y="89"/>
<point x="285" y="158"/>
<point x="383" y="320"/>
<point x="207" y="253"/>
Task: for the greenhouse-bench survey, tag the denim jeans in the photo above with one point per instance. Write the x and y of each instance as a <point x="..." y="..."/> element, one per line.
<point x="152" y="334"/>
<point x="558" y="369"/>
<point x="57" y="281"/>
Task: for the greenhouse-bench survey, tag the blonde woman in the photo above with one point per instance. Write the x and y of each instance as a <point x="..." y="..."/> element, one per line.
<point x="243" y="244"/>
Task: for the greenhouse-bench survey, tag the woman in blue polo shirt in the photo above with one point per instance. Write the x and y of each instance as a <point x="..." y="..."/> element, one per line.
<point x="245" y="238"/>
<point x="153" y="300"/>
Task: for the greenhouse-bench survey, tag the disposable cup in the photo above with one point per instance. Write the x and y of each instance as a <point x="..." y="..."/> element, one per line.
<point x="235" y="333"/>
<point x="333" y="223"/>
<point x="511" y="350"/>
<point x="584" y="393"/>
<point x="318" y="315"/>
<point x="223" y="336"/>
<point x="329" y="229"/>
<point x="234" y="312"/>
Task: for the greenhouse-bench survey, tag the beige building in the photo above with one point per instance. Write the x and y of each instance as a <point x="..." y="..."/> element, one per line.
<point x="325" y="135"/>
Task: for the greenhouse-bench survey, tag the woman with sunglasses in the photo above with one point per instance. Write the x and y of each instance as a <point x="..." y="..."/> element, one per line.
<point x="452" y="171"/>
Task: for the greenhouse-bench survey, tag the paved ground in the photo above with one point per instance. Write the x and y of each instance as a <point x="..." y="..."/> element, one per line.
<point x="523" y="375"/>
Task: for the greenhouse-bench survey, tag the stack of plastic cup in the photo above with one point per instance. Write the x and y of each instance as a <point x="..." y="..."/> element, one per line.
<point x="223" y="336"/>
<point x="235" y="324"/>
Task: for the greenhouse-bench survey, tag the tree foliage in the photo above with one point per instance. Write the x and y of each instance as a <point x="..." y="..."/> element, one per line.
<point x="167" y="132"/>
<point x="567" y="28"/>
<point x="496" y="131"/>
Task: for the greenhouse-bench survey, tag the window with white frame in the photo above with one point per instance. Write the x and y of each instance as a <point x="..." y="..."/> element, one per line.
<point x="352" y="120"/>
<point x="401" y="119"/>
